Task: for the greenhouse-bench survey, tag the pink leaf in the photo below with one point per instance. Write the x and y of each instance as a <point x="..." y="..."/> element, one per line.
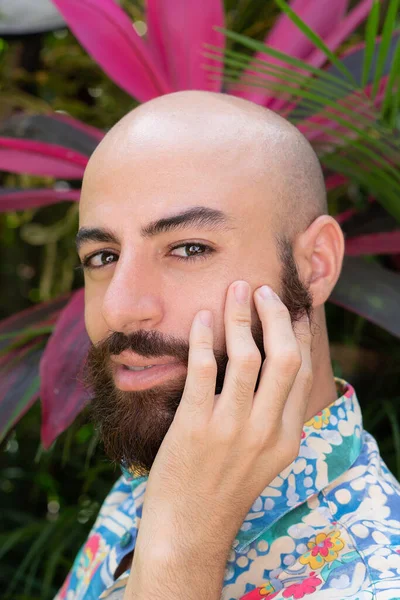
<point x="19" y="383"/>
<point x="107" y="34"/>
<point x="387" y="242"/>
<point x="286" y="37"/>
<point x="38" y="158"/>
<point x="177" y="32"/>
<point x="39" y="315"/>
<point x="334" y="181"/>
<point x="19" y="367"/>
<point x="97" y="134"/>
<point x="316" y="128"/>
<point x="339" y="34"/>
<point x="63" y="396"/>
<point x="23" y="199"/>
<point x="333" y="39"/>
<point x="322" y="17"/>
<point x="345" y="215"/>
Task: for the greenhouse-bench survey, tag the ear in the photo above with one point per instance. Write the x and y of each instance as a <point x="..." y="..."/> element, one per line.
<point x="318" y="252"/>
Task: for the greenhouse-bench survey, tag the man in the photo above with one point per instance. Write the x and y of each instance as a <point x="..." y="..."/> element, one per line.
<point x="208" y="257"/>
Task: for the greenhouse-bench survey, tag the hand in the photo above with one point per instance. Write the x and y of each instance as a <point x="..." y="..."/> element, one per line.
<point x="220" y="452"/>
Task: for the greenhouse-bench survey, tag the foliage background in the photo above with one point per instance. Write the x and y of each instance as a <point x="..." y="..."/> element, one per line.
<point x="49" y="500"/>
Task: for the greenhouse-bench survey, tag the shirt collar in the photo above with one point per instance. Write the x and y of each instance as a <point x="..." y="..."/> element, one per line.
<point x="330" y="444"/>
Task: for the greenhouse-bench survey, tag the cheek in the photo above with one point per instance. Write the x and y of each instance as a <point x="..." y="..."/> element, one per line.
<point x="207" y="296"/>
<point x="94" y="322"/>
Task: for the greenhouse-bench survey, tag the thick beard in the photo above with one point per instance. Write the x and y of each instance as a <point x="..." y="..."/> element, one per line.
<point x="132" y="425"/>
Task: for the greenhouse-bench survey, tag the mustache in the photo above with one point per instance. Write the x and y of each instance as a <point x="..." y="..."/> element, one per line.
<point x="146" y="344"/>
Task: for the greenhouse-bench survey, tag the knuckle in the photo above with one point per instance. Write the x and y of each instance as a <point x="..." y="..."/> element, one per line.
<point x="262" y="437"/>
<point x="196" y="433"/>
<point x="206" y="367"/>
<point x="289" y="360"/>
<point x="203" y="344"/>
<point x="228" y="433"/>
<point x="243" y="319"/>
<point x="249" y="359"/>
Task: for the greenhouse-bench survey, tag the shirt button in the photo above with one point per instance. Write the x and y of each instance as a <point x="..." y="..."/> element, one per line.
<point x="126" y="539"/>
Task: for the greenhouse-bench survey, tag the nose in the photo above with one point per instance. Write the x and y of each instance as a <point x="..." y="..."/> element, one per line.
<point x="132" y="301"/>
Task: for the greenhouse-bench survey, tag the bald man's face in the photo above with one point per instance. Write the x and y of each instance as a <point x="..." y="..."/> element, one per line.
<point x="165" y="229"/>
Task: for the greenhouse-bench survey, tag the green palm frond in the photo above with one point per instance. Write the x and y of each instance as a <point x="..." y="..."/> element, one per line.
<point x="370" y="40"/>
<point x="352" y="121"/>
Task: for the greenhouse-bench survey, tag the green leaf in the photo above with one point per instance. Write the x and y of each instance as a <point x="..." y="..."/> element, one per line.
<point x="295" y="63"/>
<point x="387" y="33"/>
<point x="390" y="91"/>
<point x="35" y="551"/>
<point x="370" y="40"/>
<point x="360" y="130"/>
<point x="315" y="39"/>
<point x="12" y="538"/>
<point x="23" y="337"/>
<point x="265" y="49"/>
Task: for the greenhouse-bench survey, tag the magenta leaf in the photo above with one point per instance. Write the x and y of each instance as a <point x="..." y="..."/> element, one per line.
<point x="371" y="291"/>
<point x="34" y="317"/>
<point x="373" y="218"/>
<point x="387" y="242"/>
<point x="38" y="158"/>
<point x="19" y="377"/>
<point x="177" y="32"/>
<point x="334" y="181"/>
<point x="21" y="346"/>
<point x="53" y="129"/>
<point x="89" y="130"/>
<point x="339" y="34"/>
<point x="17" y="199"/>
<point x="353" y="60"/>
<point x="328" y="19"/>
<point x="107" y="34"/>
<point x="285" y="36"/>
<point x="63" y="396"/>
<point x="322" y="17"/>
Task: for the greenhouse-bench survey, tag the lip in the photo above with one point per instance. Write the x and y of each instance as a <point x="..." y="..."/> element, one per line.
<point x="133" y="360"/>
<point x="129" y="381"/>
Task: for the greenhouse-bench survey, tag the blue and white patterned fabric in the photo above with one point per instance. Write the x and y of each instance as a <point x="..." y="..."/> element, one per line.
<point x="328" y="526"/>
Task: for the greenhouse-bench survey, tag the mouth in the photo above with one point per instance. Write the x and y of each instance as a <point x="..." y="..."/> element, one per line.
<point x="129" y="378"/>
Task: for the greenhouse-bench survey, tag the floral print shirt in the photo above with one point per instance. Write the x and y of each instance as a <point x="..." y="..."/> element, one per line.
<point x="327" y="528"/>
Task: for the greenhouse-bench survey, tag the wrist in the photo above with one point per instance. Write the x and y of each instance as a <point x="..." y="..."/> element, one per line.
<point x="180" y="572"/>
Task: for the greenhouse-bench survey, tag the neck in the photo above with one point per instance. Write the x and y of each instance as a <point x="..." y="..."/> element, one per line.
<point x="323" y="391"/>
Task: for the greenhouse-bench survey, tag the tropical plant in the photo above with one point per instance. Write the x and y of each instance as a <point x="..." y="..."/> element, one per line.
<point x="347" y="107"/>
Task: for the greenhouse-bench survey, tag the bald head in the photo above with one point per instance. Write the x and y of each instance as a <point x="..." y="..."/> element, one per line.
<point x="237" y="137"/>
<point x="186" y="195"/>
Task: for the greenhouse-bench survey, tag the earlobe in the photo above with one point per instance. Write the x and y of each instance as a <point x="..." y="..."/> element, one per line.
<point x="319" y="252"/>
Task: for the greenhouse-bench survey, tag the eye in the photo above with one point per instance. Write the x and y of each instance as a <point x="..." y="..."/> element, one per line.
<point x="191" y="250"/>
<point x="99" y="260"/>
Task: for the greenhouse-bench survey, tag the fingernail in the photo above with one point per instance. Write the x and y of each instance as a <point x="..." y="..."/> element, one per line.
<point x="265" y="292"/>
<point x="242" y="292"/>
<point x="206" y="318"/>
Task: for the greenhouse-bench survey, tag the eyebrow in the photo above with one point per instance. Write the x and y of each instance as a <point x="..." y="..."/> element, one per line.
<point x="198" y="216"/>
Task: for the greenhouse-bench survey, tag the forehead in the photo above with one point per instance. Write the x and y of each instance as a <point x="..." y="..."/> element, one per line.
<point x="141" y="177"/>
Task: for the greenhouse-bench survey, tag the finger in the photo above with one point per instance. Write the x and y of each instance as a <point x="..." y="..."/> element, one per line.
<point x="198" y="395"/>
<point x="244" y="362"/>
<point x="283" y="358"/>
<point x="294" y="413"/>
